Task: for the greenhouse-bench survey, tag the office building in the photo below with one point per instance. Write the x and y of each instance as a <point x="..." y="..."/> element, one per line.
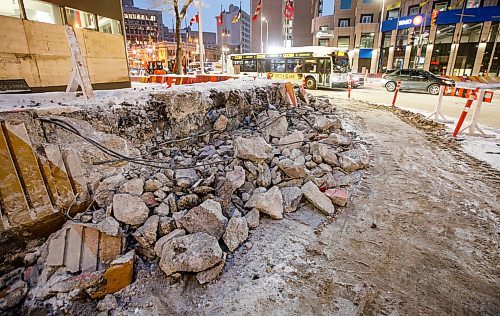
<point x="34" y="45"/>
<point x="142" y="26"/>
<point x="235" y="37"/>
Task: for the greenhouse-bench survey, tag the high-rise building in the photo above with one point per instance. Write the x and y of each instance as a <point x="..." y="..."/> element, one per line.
<point x="234" y="36"/>
<point x="142" y="25"/>
<point x="277" y="31"/>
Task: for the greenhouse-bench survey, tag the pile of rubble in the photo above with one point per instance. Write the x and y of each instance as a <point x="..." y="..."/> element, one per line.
<point x="191" y="214"/>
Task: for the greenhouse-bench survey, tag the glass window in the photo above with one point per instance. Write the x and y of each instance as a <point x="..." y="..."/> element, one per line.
<point x="471" y="32"/>
<point x="310" y="65"/>
<point x="81" y="19"/>
<point x="344" y="23"/>
<point x="278" y="65"/>
<point x="42" y="11"/>
<point x="402" y="37"/>
<point x="107" y="25"/>
<point x="366" y="40"/>
<point x="345" y="4"/>
<point x="474" y="3"/>
<point x="440" y="5"/>
<point x="323" y="42"/>
<point x="323" y="28"/>
<point x="344" y="42"/>
<point x="293" y="65"/>
<point x="249" y="65"/>
<point x="10" y="8"/>
<point x="392" y="14"/>
<point x="366" y="18"/>
<point x="386" y="39"/>
<point x="368" y="1"/>
<point x="488" y="56"/>
<point x="414" y="10"/>
<point x="442" y="49"/>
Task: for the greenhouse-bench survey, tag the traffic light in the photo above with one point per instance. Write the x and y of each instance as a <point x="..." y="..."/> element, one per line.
<point x="434" y="17"/>
<point x="411" y="40"/>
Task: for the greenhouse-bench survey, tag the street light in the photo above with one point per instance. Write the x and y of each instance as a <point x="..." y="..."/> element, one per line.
<point x="267" y="34"/>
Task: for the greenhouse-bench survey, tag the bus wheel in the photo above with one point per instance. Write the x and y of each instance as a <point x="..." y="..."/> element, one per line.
<point x="310" y="83"/>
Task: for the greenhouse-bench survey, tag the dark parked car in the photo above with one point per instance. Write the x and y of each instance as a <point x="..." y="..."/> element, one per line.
<point x="415" y="79"/>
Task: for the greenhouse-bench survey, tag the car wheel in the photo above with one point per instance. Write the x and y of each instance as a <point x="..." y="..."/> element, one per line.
<point x="433" y="89"/>
<point x="390" y="86"/>
<point x="310" y="83"/>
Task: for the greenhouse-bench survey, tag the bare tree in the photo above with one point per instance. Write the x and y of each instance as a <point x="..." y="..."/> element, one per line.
<point x="177" y="8"/>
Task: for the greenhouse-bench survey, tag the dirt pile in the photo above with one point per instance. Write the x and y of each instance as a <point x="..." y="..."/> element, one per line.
<point x="191" y="198"/>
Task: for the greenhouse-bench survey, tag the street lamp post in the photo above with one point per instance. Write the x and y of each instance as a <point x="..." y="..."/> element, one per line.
<point x="267" y="33"/>
<point x="380" y="37"/>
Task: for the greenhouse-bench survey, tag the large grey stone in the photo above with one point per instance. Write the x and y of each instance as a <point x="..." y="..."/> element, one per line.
<point x="106" y="189"/>
<point x="252" y="148"/>
<point x="270" y="202"/>
<point x="292" y="169"/>
<point x="294" y="140"/>
<point x="207" y="217"/>
<point x="328" y="154"/>
<point x="318" y="198"/>
<point x="186" y="177"/>
<point x="158" y="248"/>
<point x="129" y="209"/>
<point x="236" y="233"/>
<point x="146" y="234"/>
<point x="354" y="159"/>
<point x="133" y="187"/>
<point x="291" y="198"/>
<point x="273" y="123"/>
<point x="191" y="253"/>
<point x="252" y="218"/>
<point x="236" y="178"/>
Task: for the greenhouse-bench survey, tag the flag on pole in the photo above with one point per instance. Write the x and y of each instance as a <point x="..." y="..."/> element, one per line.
<point x="393" y="6"/>
<point x="219" y="19"/>
<point x="289" y="9"/>
<point x="257" y="11"/>
<point x="194" y="19"/>
<point x="236" y="17"/>
<point x="421" y="4"/>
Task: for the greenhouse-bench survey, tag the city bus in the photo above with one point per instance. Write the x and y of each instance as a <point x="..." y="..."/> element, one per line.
<point x="317" y="66"/>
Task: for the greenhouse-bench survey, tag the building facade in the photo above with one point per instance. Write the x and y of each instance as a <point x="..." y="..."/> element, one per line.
<point x="278" y="31"/>
<point x="34" y="45"/>
<point x="235" y="37"/>
<point x="142" y="25"/>
<point x="458" y="44"/>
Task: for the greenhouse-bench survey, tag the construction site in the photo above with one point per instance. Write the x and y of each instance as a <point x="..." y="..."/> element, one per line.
<point x="240" y="197"/>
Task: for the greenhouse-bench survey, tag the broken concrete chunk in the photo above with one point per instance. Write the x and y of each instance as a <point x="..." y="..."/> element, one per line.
<point x="129" y="209"/>
<point x="264" y="178"/>
<point x="109" y="226"/>
<point x="292" y="169"/>
<point x="236" y="233"/>
<point x="291" y="198"/>
<point x="191" y="253"/>
<point x="273" y="123"/>
<point x="166" y="225"/>
<point x="188" y="201"/>
<point x="211" y="274"/>
<point x="133" y="187"/>
<point x="116" y="277"/>
<point x="12" y="289"/>
<point x="318" y="198"/>
<point x="252" y="218"/>
<point x="322" y="123"/>
<point x="220" y="124"/>
<point x="106" y="189"/>
<point x="152" y="185"/>
<point x="162" y="210"/>
<point x="207" y="217"/>
<point x="149" y="199"/>
<point x="269" y="203"/>
<point x="107" y="303"/>
<point x="354" y="159"/>
<point x="146" y="234"/>
<point x="236" y="178"/>
<point x="186" y="177"/>
<point x="159" y="244"/>
<point x="328" y="154"/>
<point x="253" y="148"/>
<point x="338" y="196"/>
<point x="294" y="140"/>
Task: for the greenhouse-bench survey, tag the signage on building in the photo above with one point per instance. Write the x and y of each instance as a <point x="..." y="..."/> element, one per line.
<point x="415" y="21"/>
<point x="322" y="34"/>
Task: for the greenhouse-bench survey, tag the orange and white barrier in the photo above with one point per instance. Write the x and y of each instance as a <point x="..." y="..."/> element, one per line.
<point x="465" y="93"/>
<point x="290" y="93"/>
<point x="438" y="116"/>
<point x="467" y="106"/>
<point x="396" y="93"/>
<point x="473" y="126"/>
<point x="349" y="87"/>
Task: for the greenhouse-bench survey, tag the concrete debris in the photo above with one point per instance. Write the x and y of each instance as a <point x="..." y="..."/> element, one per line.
<point x="133" y="187"/>
<point x="254" y="148"/>
<point x="188" y="201"/>
<point x="161" y="242"/>
<point x="165" y="225"/>
<point x="273" y="123"/>
<point x="130" y="209"/>
<point x="104" y="193"/>
<point x="354" y="159"/>
<point x="264" y="178"/>
<point x="252" y="218"/>
<point x="328" y="154"/>
<point x="318" y="198"/>
<point x="109" y="226"/>
<point x="221" y="123"/>
<point x="146" y="234"/>
<point x="269" y="203"/>
<point x="211" y="274"/>
<point x="294" y="140"/>
<point x="12" y="289"/>
<point x="338" y="196"/>
<point x="292" y="169"/>
<point x="152" y="185"/>
<point x="207" y="217"/>
<point x="162" y="210"/>
<point x="108" y="303"/>
<point x="291" y="198"/>
<point x="191" y="253"/>
<point x="186" y="177"/>
<point x="236" y="178"/>
<point x="236" y="233"/>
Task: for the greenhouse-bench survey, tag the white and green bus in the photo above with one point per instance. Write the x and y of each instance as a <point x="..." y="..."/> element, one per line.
<point x="319" y="67"/>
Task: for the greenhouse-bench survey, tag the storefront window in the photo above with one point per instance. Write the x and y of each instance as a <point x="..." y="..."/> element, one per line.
<point x="386" y="39"/>
<point x="402" y="37"/>
<point x="81" y="19"/>
<point x="489" y="57"/>
<point x="344" y="42"/>
<point x="366" y="40"/>
<point x="440" y="5"/>
<point x="42" y="11"/>
<point x="392" y="14"/>
<point x="10" y="8"/>
<point x="324" y="42"/>
<point x="467" y="50"/>
<point x="473" y="3"/>
<point x="417" y="54"/>
<point x="107" y="25"/>
<point x="442" y="48"/>
<point x="414" y="9"/>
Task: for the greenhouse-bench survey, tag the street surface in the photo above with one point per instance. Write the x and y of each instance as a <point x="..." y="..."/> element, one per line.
<point x="420" y="237"/>
<point x="373" y="92"/>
